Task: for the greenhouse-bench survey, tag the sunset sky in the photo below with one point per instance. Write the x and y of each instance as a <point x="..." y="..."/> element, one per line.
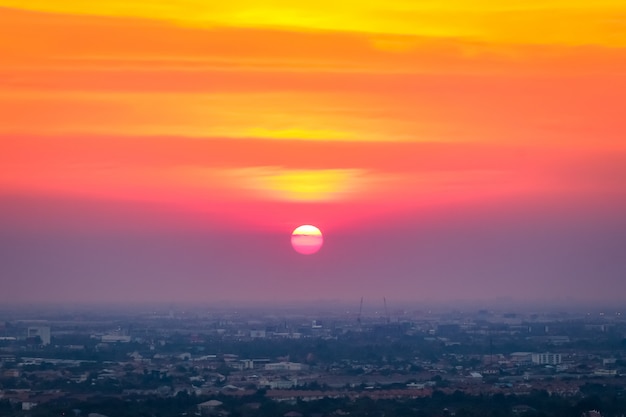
<point x="163" y="151"/>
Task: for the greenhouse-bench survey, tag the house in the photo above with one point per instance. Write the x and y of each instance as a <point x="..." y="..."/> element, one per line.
<point x="209" y="407"/>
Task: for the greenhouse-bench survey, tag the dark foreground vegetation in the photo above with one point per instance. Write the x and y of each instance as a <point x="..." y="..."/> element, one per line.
<point x="609" y="401"/>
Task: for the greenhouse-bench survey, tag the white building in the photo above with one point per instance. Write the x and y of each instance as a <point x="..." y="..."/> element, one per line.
<point x="285" y="366"/>
<point x="208" y="407"/>
<point x="258" y="334"/>
<point x="546" y="358"/>
<point x="283" y="384"/>
<point x="27" y="405"/>
<point x="43" y="332"/>
<point x="242" y="364"/>
<point x="521" y="357"/>
<point x="114" y="338"/>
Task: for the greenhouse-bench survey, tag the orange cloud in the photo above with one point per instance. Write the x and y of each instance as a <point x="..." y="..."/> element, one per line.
<point x="294" y="110"/>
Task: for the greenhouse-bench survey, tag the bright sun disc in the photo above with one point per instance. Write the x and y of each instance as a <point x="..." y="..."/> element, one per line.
<point x="307" y="239"/>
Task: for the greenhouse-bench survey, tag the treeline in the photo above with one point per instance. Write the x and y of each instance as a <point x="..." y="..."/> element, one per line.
<point x="609" y="400"/>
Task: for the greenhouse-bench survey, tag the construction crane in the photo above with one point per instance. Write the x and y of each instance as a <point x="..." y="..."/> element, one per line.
<point x="358" y="319"/>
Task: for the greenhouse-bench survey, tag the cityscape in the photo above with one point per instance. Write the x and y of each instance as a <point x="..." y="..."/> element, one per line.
<point x="373" y="359"/>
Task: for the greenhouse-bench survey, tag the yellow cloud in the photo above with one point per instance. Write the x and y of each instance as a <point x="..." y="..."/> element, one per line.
<point x="296" y="133"/>
<point x="574" y="22"/>
<point x="308" y="185"/>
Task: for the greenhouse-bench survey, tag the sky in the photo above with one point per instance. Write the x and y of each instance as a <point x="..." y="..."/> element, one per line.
<point x="164" y="151"/>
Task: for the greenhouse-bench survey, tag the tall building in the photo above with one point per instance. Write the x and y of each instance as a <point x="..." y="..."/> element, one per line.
<point x="43" y="332"/>
<point x="546" y="358"/>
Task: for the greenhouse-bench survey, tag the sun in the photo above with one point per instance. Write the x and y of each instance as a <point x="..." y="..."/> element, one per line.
<point x="307" y="239"/>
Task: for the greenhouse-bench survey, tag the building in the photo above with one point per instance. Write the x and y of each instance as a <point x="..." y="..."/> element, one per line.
<point x="243" y="364"/>
<point x="258" y="334"/>
<point x="282" y="384"/>
<point x="605" y="372"/>
<point x="521" y="358"/>
<point x="209" y="407"/>
<point x="27" y="405"/>
<point x="285" y="366"/>
<point x="42" y="332"/>
<point x="114" y="338"/>
<point x="546" y="358"/>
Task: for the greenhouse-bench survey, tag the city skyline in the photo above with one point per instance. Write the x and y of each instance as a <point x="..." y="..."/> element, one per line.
<point x="164" y="151"/>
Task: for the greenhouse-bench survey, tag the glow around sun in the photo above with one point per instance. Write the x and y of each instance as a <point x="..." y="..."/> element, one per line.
<point x="307" y="239"/>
